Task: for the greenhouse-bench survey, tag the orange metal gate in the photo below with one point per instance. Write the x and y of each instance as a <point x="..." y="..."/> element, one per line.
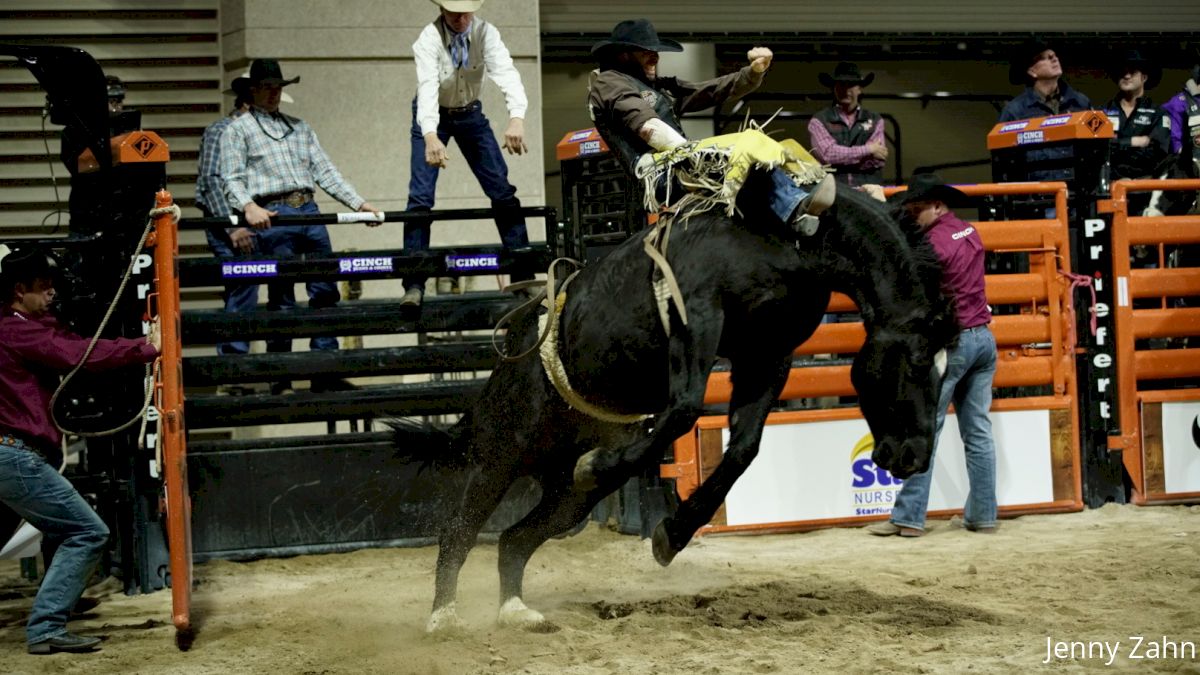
<point x="1036" y="344"/>
<point x="1152" y="328"/>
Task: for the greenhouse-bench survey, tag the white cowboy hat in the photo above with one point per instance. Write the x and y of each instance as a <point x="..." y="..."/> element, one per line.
<point x="459" y="5"/>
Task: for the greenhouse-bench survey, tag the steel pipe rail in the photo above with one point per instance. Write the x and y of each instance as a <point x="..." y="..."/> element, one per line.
<point x="354" y="217"/>
<point x="405" y="400"/>
<point x="389" y="264"/>
<point x="439" y="314"/>
<point x="377" y="441"/>
<point x="269" y="367"/>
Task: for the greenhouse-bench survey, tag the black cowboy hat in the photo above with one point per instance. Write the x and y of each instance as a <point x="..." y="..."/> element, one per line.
<point x="846" y="73"/>
<point x="267" y="71"/>
<point x="26" y="264"/>
<point x="928" y="187"/>
<point x="1132" y="59"/>
<point x="636" y="34"/>
<point x="1023" y="57"/>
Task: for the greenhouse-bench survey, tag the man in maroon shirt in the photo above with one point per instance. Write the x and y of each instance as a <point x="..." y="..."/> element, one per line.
<point x="971" y="365"/>
<point x="35" y="349"/>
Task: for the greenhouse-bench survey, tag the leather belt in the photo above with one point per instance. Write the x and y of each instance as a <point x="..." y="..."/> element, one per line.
<point x="294" y="199"/>
<point x="470" y="107"/>
<point x="15" y="442"/>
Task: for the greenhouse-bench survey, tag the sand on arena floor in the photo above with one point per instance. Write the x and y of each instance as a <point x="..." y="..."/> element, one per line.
<point x="835" y="600"/>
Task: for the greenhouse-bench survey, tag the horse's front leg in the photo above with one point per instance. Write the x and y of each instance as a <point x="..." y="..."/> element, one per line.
<point x="482" y="492"/>
<point x="756" y="388"/>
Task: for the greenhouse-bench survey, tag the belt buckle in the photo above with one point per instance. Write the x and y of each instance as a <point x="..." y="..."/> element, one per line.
<point x="295" y="199"/>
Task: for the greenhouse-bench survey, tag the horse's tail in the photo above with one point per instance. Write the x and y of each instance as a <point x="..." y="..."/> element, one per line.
<point x="430" y="445"/>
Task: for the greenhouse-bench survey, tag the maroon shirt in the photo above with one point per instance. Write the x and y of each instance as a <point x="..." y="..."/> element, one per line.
<point x="34" y="352"/>
<point x="960" y="250"/>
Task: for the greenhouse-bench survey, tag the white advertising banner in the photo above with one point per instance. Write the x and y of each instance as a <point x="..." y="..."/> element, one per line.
<point x="1181" y="446"/>
<point x="823" y="470"/>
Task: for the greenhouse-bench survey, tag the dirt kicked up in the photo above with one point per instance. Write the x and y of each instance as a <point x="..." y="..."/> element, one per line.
<point x="1068" y="593"/>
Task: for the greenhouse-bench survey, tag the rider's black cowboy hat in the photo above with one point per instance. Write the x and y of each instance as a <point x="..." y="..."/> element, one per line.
<point x="636" y="34"/>
<point x="929" y="187"/>
<point x="846" y="73"/>
<point x="1132" y="59"/>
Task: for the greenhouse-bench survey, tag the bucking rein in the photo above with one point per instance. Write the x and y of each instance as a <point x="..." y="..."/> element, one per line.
<point x="712" y="170"/>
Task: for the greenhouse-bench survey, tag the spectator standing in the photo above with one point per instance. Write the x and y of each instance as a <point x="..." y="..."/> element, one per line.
<point x="452" y="55"/>
<point x="1184" y="112"/>
<point x="1143" y="132"/>
<point x="271" y="162"/>
<point x="845" y="135"/>
<point x="1036" y="66"/>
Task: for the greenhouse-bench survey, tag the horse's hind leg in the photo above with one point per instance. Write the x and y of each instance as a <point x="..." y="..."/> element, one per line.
<point x="756" y="387"/>
<point x="482" y="492"/>
<point x="562" y="506"/>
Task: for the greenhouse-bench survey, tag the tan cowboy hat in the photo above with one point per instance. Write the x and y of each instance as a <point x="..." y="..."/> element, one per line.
<point x="459" y="5"/>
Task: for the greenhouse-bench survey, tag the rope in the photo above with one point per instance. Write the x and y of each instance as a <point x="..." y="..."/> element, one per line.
<point x="540" y="298"/>
<point x="155" y="212"/>
<point x="1077" y="281"/>
<point x="557" y="373"/>
<point x="664" y="283"/>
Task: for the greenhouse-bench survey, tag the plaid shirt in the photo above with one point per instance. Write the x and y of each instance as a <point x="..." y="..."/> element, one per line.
<point x="262" y="155"/>
<point x="209" y="191"/>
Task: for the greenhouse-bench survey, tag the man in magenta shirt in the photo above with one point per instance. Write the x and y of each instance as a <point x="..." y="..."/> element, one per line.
<point x="35" y="349"/>
<point x="971" y="365"/>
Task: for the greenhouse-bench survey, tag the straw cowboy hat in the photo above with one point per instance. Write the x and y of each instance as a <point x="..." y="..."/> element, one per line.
<point x="1133" y="60"/>
<point x="929" y="187"/>
<point x="268" y="72"/>
<point x="461" y="6"/>
<point x="636" y="34"/>
<point x="846" y="73"/>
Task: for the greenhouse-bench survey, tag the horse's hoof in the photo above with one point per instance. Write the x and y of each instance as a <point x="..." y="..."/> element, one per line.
<point x="444" y="619"/>
<point x="585" y="475"/>
<point x="664" y="553"/>
<point x="514" y="614"/>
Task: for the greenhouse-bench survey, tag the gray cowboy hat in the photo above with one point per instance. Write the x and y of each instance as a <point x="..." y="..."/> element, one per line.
<point x="462" y="6"/>
<point x="928" y="187"/>
<point x="846" y="73"/>
<point x="1132" y="59"/>
<point x="1023" y="57"/>
<point x="636" y="34"/>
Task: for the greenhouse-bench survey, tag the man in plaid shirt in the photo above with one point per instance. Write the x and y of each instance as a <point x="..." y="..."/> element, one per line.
<point x="271" y="164"/>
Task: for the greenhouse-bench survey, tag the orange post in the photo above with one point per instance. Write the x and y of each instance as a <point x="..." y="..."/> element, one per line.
<point x="170" y="405"/>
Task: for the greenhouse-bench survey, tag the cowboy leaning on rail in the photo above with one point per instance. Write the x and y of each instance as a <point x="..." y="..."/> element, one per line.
<point x="637" y="112"/>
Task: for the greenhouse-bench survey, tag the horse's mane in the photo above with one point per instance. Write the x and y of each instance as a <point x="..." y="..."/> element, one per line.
<point x="882" y="224"/>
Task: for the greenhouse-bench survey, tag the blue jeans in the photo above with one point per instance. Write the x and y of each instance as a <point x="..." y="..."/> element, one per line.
<point x="968" y="384"/>
<point x="50" y="503"/>
<point x="285" y="241"/>
<point x="479" y="147"/>
<point x="238" y="297"/>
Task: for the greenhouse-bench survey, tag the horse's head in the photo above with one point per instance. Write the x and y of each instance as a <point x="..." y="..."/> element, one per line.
<point x="898" y="376"/>
<point x="1174" y="202"/>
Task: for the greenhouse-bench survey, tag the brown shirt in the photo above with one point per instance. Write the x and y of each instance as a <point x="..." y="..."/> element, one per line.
<point x="614" y="98"/>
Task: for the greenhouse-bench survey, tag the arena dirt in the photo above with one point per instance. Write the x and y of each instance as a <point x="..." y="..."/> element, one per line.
<point x="837" y="601"/>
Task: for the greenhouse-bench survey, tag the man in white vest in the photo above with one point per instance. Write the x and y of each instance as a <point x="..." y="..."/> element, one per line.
<point x="452" y="55"/>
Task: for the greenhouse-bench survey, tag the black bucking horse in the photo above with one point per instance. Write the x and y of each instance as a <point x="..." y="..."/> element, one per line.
<point x="753" y="292"/>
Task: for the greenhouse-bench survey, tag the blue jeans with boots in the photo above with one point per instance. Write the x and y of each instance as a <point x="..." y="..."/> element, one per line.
<point x="968" y="384"/>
